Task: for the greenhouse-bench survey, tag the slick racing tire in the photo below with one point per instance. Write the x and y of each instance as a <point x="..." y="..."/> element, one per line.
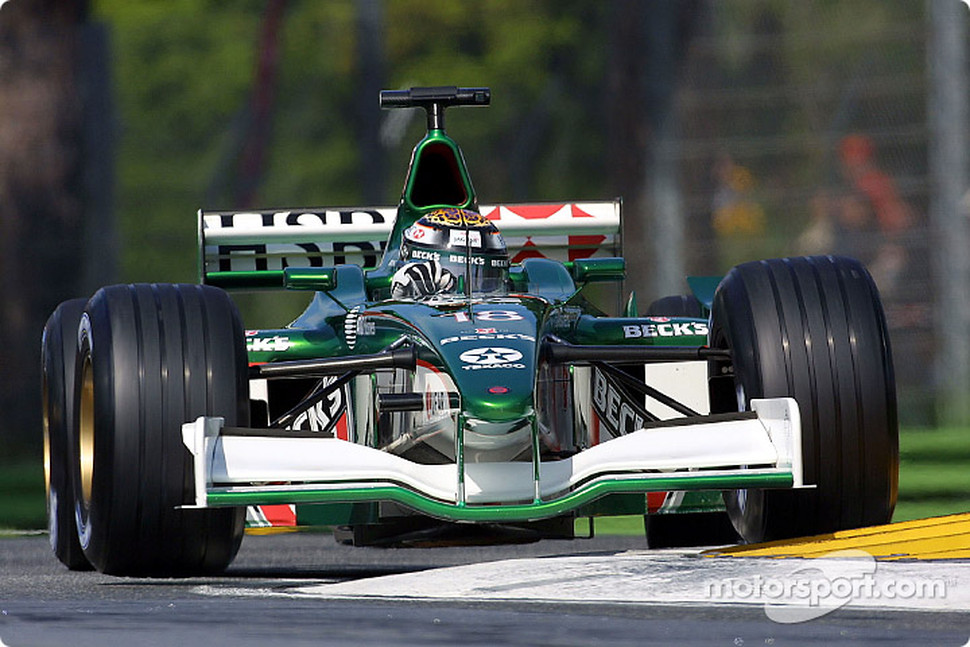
<point x="58" y="353"/>
<point x="693" y="528"/>
<point x="151" y="357"/>
<point x="812" y="329"/>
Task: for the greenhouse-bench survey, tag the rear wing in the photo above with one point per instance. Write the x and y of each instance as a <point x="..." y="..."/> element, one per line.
<point x="251" y="249"/>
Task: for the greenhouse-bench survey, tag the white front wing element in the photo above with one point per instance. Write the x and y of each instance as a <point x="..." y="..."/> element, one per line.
<point x="769" y="443"/>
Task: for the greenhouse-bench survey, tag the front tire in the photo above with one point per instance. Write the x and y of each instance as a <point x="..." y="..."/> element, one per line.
<point x="151" y="357"/>
<point x="58" y="354"/>
<point x="812" y="329"/>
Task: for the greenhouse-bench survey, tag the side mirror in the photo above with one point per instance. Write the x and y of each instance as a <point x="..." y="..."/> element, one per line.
<point x="321" y="279"/>
<point x="591" y="270"/>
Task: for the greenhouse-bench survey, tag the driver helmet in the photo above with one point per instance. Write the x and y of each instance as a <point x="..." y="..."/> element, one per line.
<point x="449" y="237"/>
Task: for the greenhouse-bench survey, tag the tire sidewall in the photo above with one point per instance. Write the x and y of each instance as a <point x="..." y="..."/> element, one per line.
<point x="91" y="533"/>
<point x="59" y="353"/>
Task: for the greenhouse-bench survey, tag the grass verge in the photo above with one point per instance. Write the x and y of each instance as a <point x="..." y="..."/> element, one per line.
<point x="934" y="473"/>
<point x="22" y="495"/>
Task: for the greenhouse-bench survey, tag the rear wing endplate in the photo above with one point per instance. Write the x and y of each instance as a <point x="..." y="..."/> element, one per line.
<point x="251" y="249"/>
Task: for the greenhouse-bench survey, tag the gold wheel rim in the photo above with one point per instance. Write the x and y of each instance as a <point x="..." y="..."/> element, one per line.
<point x="45" y="397"/>
<point x="86" y="432"/>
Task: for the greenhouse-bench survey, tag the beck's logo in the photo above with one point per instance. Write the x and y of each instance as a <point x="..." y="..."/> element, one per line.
<point x="666" y="329"/>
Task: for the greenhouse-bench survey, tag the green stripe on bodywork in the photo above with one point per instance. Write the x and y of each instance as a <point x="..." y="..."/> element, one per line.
<point x="218" y="497"/>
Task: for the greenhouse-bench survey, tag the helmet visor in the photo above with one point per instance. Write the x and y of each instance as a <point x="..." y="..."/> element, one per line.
<point x="479" y="273"/>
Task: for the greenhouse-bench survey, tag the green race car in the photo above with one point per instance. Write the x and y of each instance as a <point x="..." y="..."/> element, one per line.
<point x="452" y="380"/>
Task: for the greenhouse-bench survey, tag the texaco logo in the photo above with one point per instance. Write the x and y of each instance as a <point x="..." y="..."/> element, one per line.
<point x="491" y="357"/>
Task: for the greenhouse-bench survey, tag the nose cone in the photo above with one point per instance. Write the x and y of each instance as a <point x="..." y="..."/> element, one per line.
<point x="495" y="380"/>
<point x="490" y="350"/>
<point x="496" y="397"/>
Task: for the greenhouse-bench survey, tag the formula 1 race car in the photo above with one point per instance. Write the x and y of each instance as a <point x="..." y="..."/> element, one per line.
<point x="452" y="380"/>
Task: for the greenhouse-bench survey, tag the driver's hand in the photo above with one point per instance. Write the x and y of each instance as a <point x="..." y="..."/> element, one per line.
<point x="420" y="279"/>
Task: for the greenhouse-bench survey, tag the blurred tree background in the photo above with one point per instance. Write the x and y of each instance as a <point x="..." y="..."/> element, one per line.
<point x="722" y="124"/>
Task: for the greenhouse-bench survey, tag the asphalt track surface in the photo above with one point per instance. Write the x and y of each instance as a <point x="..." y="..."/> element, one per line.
<point x="303" y="589"/>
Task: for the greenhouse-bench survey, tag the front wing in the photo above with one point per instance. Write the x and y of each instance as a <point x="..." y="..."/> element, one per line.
<point x="238" y="467"/>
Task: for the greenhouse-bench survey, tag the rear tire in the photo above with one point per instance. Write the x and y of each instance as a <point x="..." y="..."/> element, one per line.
<point x="59" y="350"/>
<point x="812" y="329"/>
<point x="151" y="357"/>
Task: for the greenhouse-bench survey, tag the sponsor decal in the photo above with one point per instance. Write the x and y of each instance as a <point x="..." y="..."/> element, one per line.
<point x="475" y="367"/>
<point x="448" y="299"/>
<point x="460" y="259"/>
<point x="277" y="219"/>
<point x="485" y="331"/>
<point x="262" y="257"/>
<point x="275" y="344"/>
<point x="491" y="357"/>
<point x="456" y="237"/>
<point x="425" y="255"/>
<point x="356" y="326"/>
<point x="366" y="327"/>
<point x="462" y="316"/>
<point x="324" y="415"/>
<point x="416" y="232"/>
<point x="350" y="327"/>
<point x="665" y="329"/>
<point x="513" y="336"/>
<point x="498" y="390"/>
<point x="618" y="413"/>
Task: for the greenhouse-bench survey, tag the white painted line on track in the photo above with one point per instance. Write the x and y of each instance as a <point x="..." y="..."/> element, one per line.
<point x="13" y="532"/>
<point x="800" y="588"/>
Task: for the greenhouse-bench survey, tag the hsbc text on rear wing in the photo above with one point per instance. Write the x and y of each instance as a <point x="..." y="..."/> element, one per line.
<point x="256" y="246"/>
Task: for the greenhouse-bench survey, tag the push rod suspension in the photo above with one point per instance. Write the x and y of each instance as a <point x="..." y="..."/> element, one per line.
<point x="559" y="352"/>
<point x="403" y="358"/>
